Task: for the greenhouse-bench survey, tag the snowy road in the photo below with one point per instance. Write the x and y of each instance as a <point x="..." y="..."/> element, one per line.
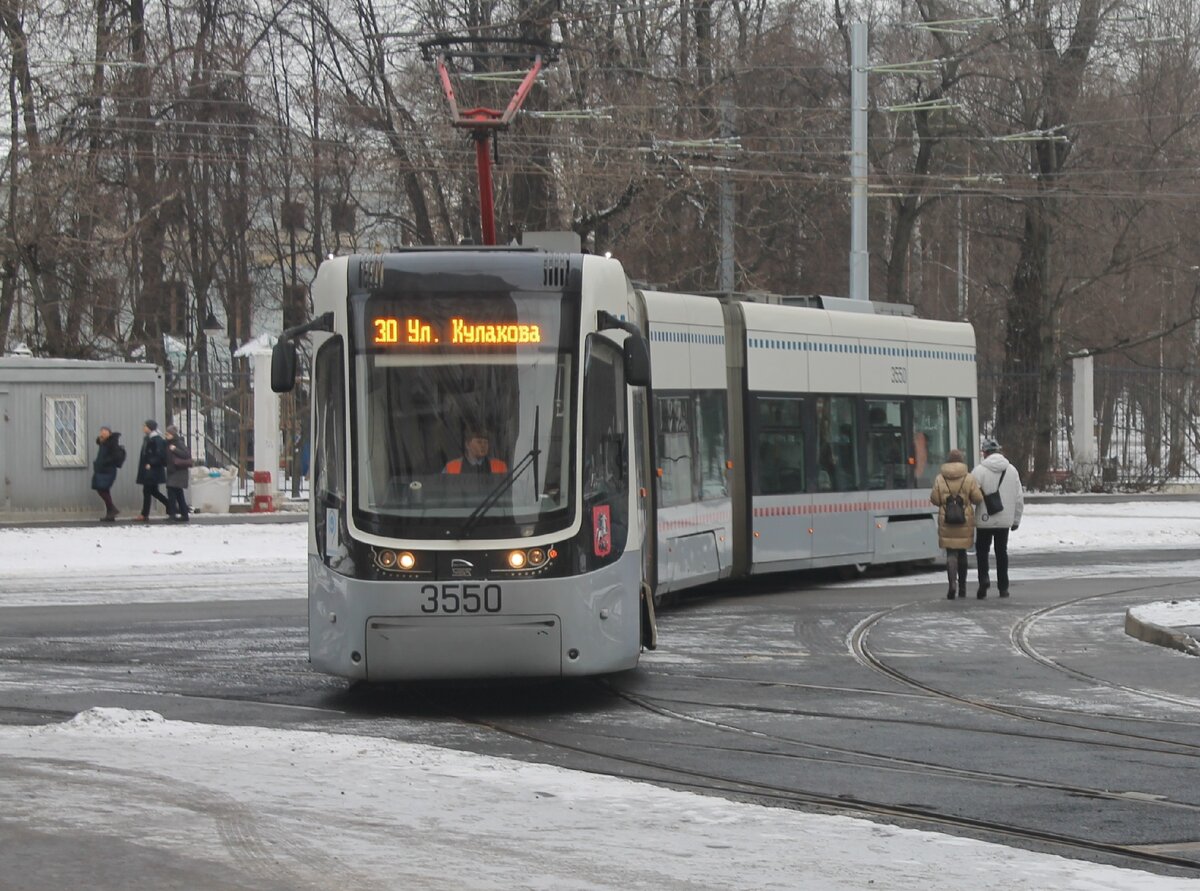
<point x="762" y="687"/>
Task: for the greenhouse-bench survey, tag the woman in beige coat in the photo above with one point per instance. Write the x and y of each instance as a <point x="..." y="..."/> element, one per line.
<point x="956" y="479"/>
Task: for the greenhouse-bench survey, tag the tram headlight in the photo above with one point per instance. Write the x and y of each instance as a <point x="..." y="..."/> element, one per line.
<point x="517" y="559"/>
<point x="536" y="556"/>
<point x="386" y="559"/>
<point x="406" y="560"/>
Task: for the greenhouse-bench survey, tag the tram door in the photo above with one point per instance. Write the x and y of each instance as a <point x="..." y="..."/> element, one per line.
<point x="782" y="504"/>
<point x="842" y="525"/>
<point x="644" y="488"/>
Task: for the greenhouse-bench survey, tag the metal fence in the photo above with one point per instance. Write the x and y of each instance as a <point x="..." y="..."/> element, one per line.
<point x="221" y="429"/>
<point x="1145" y="423"/>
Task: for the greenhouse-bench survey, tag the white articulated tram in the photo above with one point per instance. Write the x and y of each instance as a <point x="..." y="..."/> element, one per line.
<point x="640" y="443"/>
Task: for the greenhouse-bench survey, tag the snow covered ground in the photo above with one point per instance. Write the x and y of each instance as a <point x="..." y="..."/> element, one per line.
<point x="309" y="809"/>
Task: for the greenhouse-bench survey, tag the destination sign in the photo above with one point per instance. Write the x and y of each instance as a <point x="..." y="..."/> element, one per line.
<point x="413" y="331"/>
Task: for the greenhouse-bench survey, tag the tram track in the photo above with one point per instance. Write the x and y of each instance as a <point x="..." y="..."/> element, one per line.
<point x="857" y="643"/>
<point x="710" y="782"/>
<point x="868" y="691"/>
<point x="718" y="776"/>
<point x="916" y="723"/>
<point x="714" y="783"/>
<point x="1019" y="637"/>
<point x="896" y="763"/>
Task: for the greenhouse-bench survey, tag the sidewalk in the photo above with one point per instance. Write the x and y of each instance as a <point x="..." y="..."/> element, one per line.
<point x="288" y="512"/>
<point x="1173" y="623"/>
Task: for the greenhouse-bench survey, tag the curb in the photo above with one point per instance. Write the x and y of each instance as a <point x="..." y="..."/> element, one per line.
<point x="69" y="521"/>
<point x="1160" y="635"/>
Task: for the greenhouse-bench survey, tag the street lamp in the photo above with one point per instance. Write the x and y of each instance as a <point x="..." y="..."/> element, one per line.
<point x="211" y="328"/>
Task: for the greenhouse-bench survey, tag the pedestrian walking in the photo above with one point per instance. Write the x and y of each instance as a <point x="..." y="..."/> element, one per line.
<point x="152" y="468"/>
<point x="956" y="493"/>
<point x="110" y="455"/>
<point x="179" y="462"/>
<point x="1003" y="504"/>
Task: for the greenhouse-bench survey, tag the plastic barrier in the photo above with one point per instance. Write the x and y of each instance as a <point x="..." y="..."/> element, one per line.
<point x="210" y="489"/>
<point x="264" y="500"/>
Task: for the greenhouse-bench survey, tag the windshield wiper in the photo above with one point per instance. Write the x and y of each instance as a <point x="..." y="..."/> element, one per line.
<point x="505" y="484"/>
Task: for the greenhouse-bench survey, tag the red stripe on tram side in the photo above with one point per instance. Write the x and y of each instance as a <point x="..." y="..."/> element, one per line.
<point x="791" y="510"/>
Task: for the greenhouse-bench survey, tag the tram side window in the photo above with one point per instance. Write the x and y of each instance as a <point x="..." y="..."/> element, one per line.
<point x="966" y="432"/>
<point x="329" y="371"/>
<point x="931" y="439"/>
<point x="837" y="454"/>
<point x="329" y="435"/>
<point x="886" y="464"/>
<point x="779" y="459"/>
<point x="605" y="458"/>
<point x="711" y="417"/>
<point x="675" y="448"/>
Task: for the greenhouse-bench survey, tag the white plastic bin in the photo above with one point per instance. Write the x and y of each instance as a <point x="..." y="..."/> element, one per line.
<point x="210" y="489"/>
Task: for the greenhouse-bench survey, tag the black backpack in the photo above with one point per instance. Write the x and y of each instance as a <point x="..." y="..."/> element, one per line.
<point x="119" y="456"/>
<point x="956" y="509"/>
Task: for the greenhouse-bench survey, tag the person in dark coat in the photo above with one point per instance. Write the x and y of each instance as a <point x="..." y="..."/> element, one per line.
<point x="179" y="459"/>
<point x="956" y="479"/>
<point x="109" y="456"/>
<point x="152" y="468"/>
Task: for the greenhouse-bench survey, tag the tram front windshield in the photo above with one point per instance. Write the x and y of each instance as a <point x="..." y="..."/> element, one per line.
<point x="463" y="412"/>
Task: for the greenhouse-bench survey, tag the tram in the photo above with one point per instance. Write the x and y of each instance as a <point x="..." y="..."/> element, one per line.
<point x="630" y="444"/>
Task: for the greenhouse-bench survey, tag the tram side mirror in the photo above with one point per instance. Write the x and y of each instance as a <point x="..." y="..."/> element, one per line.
<point x="637" y="361"/>
<point x="283" y="366"/>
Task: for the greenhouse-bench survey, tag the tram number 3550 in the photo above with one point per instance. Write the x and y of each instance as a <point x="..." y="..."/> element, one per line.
<point x="467" y="597"/>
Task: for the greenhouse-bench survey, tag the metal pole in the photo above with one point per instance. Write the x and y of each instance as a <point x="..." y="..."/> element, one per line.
<point x="190" y="318"/>
<point x="727" y="209"/>
<point x="1083" y="411"/>
<point x="483" y="164"/>
<point x="859" y="270"/>
<point x="961" y="272"/>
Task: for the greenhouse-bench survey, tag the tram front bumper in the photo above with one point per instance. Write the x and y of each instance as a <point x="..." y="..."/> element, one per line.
<point x="462" y="647"/>
<point x="381" y="631"/>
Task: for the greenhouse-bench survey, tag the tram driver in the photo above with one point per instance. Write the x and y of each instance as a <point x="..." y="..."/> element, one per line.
<point x="476" y="456"/>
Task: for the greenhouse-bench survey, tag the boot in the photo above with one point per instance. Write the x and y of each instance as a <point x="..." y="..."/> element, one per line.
<point x="1004" y="592"/>
<point x="962" y="586"/>
<point x="950" y="593"/>
<point x="983" y="589"/>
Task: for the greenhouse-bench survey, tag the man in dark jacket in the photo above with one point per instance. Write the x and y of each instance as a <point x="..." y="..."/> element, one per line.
<point x="109" y="456"/>
<point x="179" y="459"/>
<point x="152" y="468"/>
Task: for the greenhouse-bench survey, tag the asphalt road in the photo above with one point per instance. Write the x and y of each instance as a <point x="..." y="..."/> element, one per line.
<point x="1034" y="721"/>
